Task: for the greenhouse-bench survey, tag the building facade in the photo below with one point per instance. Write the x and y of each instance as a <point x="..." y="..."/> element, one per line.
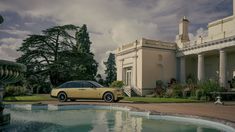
<point x="141" y="63"/>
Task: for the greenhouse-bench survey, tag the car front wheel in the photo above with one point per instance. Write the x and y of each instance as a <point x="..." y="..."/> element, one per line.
<point x="62" y="97"/>
<point x="108" y="97"/>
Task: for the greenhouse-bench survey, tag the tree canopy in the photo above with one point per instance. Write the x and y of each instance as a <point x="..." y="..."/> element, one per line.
<point x="111" y="74"/>
<point x="59" y="54"/>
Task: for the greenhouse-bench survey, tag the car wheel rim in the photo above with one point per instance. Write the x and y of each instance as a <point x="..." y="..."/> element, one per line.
<point x="62" y="97"/>
<point x="109" y="97"/>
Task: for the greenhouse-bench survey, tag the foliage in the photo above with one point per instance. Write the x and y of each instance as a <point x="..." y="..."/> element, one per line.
<point x="199" y="94"/>
<point x="177" y="90"/>
<point x="99" y="79"/>
<point x="59" y="54"/>
<point x="158" y="91"/>
<point x="83" y="43"/>
<point x="110" y="69"/>
<point x="1" y="19"/>
<point x="117" y="84"/>
<point x="209" y="86"/>
<point x="11" y="90"/>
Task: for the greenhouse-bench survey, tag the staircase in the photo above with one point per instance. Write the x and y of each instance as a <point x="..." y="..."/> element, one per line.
<point x="130" y="91"/>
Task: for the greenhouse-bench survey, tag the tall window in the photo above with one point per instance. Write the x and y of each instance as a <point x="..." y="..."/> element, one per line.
<point x="128" y="77"/>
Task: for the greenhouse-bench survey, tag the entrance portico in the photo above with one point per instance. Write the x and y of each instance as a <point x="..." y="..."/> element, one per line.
<point x="212" y="63"/>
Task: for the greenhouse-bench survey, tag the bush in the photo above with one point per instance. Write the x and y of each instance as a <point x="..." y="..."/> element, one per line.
<point x="210" y="86"/>
<point x="15" y="90"/>
<point x="199" y="94"/>
<point x="177" y="91"/>
<point x="117" y="84"/>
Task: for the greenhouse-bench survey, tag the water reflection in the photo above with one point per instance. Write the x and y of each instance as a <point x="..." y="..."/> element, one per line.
<point x="93" y="121"/>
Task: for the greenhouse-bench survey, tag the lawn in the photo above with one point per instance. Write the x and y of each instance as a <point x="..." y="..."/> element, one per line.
<point x="46" y="97"/>
<point x="159" y="100"/>
<point x="36" y="97"/>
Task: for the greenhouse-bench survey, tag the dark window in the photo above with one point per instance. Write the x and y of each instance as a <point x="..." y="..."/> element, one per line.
<point x="71" y="85"/>
<point x="77" y="84"/>
<point x="95" y="84"/>
<point x="88" y="85"/>
<point x="64" y="85"/>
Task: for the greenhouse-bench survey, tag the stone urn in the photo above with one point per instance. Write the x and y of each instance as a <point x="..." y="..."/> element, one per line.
<point x="10" y="72"/>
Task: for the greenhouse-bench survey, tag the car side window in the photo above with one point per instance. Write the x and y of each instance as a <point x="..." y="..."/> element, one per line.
<point x="64" y="85"/>
<point x="88" y="85"/>
<point x="77" y="85"/>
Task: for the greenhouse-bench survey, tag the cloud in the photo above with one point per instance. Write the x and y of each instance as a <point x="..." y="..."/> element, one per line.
<point x="114" y="22"/>
<point x="8" y="48"/>
<point x="17" y="33"/>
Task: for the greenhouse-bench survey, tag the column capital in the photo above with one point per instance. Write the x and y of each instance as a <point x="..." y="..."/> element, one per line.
<point x="222" y="50"/>
<point x="201" y="54"/>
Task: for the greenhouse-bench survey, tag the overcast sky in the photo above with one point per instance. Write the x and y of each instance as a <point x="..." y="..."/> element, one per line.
<point x="111" y="23"/>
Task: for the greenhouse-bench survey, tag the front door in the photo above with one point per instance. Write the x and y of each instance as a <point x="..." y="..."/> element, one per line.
<point x="128" y="77"/>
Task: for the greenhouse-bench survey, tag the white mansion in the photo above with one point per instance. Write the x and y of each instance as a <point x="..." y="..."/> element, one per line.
<point x="141" y="63"/>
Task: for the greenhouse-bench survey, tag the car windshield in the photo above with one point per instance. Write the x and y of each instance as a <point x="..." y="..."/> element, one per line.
<point x="96" y="84"/>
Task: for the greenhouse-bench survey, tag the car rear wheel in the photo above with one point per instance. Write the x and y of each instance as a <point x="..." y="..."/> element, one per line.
<point x="62" y="97"/>
<point x="108" y="97"/>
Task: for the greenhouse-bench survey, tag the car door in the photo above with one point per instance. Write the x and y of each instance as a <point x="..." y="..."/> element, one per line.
<point x="90" y="90"/>
<point x="82" y="90"/>
<point x="72" y="89"/>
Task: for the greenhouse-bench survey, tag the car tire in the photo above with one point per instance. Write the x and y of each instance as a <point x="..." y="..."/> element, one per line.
<point x="108" y="97"/>
<point x="62" y="97"/>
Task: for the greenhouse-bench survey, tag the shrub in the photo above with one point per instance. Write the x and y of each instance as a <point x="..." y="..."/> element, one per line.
<point x="210" y="86"/>
<point x="177" y="91"/>
<point x="15" y="90"/>
<point x="199" y="94"/>
<point x="117" y="84"/>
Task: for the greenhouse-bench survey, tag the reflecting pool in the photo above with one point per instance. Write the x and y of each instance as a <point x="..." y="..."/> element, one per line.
<point x="91" y="120"/>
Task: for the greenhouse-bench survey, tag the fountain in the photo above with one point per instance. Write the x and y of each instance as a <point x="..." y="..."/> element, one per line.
<point x="10" y="72"/>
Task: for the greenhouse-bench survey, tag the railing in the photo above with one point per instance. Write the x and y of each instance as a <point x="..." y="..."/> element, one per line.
<point x="137" y="91"/>
<point x="127" y="91"/>
<point x="205" y="44"/>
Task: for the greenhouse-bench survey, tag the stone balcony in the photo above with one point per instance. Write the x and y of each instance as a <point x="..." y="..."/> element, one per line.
<point x="191" y="48"/>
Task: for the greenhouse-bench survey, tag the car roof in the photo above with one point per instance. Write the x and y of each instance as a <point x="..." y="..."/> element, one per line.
<point x="80" y="81"/>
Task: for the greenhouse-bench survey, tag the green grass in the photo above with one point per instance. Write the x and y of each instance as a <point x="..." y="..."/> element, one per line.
<point x="36" y="97"/>
<point x="159" y="100"/>
<point x="46" y="97"/>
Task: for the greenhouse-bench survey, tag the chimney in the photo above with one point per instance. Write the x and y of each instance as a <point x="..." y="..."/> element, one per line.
<point x="183" y="30"/>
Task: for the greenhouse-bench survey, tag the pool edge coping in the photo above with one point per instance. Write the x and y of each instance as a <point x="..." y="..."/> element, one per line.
<point x="131" y="109"/>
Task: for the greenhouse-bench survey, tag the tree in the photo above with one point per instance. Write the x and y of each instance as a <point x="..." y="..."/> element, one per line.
<point x="54" y="56"/>
<point x="99" y="79"/>
<point x="110" y="69"/>
<point x="1" y="19"/>
<point x="83" y="42"/>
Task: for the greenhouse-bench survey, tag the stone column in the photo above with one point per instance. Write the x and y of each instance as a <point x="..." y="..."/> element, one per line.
<point x="222" y="68"/>
<point x="134" y="84"/>
<point x="200" y="68"/>
<point x="122" y="71"/>
<point x="182" y="70"/>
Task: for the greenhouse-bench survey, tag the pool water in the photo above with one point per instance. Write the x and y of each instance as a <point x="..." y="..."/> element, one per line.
<point x="91" y="120"/>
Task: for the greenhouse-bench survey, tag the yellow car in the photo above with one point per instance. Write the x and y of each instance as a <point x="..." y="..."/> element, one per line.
<point x="86" y="90"/>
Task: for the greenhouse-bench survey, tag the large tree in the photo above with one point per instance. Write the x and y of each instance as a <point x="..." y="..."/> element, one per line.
<point x="55" y="56"/>
<point x="83" y="38"/>
<point x="111" y="74"/>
